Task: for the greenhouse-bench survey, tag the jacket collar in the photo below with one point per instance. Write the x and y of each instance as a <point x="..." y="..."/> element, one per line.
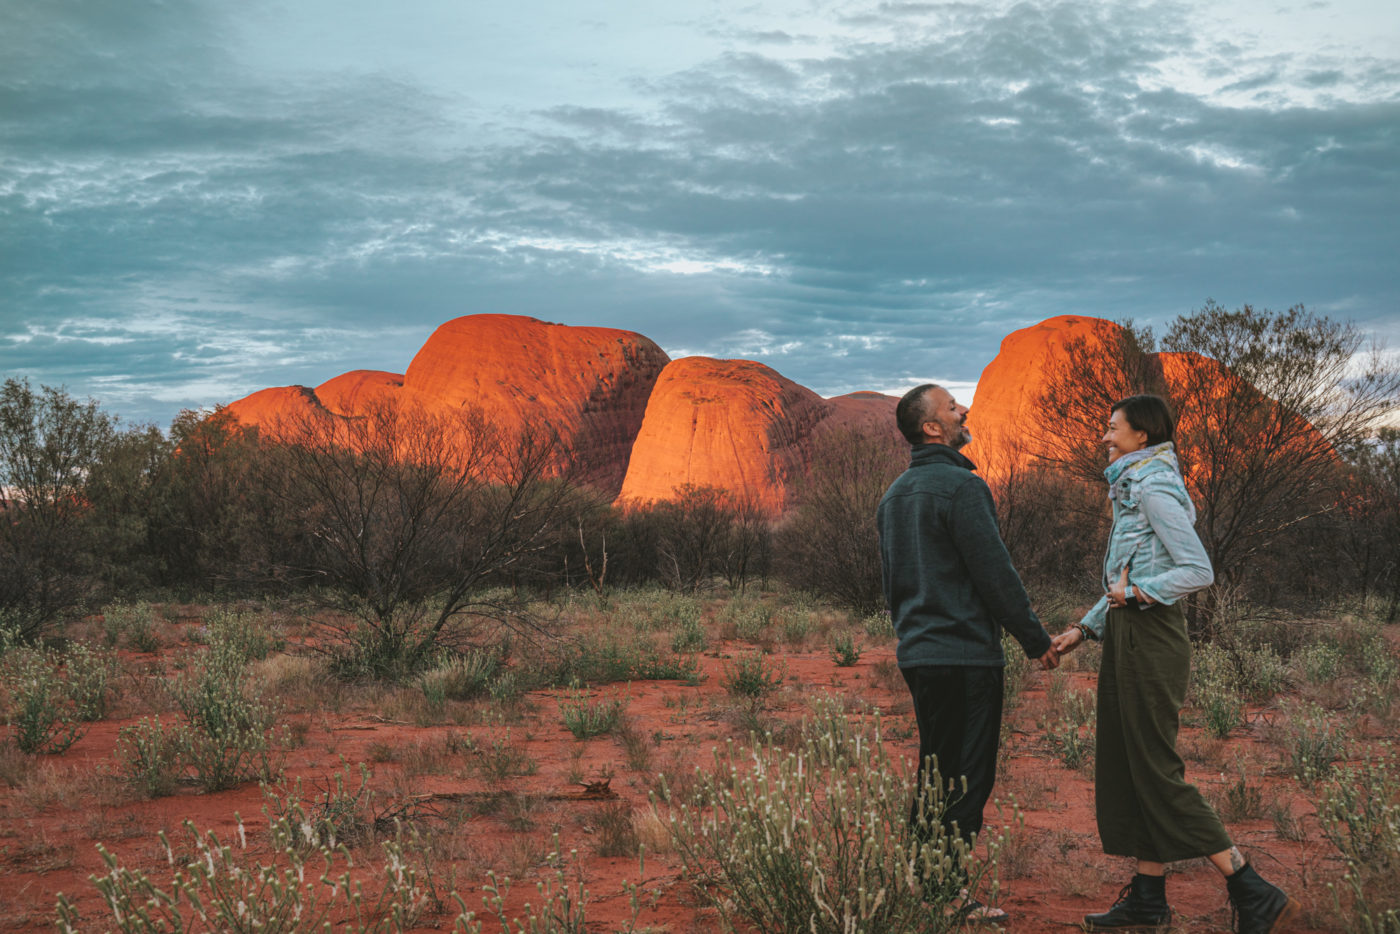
<point x="923" y="454"/>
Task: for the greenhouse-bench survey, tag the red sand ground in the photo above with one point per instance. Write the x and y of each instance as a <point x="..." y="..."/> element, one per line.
<point x="49" y="824"/>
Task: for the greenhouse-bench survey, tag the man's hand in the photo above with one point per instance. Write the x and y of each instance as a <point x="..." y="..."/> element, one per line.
<point x="1051" y="658"/>
<point x="1067" y="641"/>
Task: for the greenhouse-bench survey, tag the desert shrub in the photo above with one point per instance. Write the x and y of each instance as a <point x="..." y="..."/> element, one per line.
<point x="563" y="909"/>
<point x="341" y="811"/>
<point x="90" y="675"/>
<point x="1213" y="680"/>
<point x="248" y="635"/>
<point x="498" y="758"/>
<point x="42" y="712"/>
<point x="878" y="626"/>
<point x="690" y="637"/>
<point x="304" y="887"/>
<point x="752" y="677"/>
<point x="617" y="830"/>
<point x="818" y="839"/>
<point x="228" y="737"/>
<point x="1319" y="663"/>
<point x="460" y="677"/>
<point x="1359" y="810"/>
<point x="1262" y="672"/>
<point x="149" y="756"/>
<point x="844" y="650"/>
<point x="1069" y="729"/>
<point x="1241" y="799"/>
<point x="751" y="621"/>
<point x="585" y="717"/>
<point x="1313" y="742"/>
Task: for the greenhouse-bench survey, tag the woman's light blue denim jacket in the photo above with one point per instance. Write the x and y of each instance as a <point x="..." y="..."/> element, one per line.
<point x="1154" y="532"/>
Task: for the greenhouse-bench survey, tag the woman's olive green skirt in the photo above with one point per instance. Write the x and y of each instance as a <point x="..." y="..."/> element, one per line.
<point x="1145" y="807"/>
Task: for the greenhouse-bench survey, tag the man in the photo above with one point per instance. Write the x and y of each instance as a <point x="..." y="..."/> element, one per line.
<point x="951" y="589"/>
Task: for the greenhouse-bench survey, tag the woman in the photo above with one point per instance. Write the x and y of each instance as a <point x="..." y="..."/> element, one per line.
<point x="1145" y="808"/>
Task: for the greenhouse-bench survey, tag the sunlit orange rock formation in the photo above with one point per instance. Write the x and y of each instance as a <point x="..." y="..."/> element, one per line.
<point x="1005" y="414"/>
<point x="732" y="424"/>
<point x="589" y="385"/>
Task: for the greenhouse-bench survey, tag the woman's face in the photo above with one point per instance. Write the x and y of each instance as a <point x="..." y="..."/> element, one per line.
<point x="1121" y="437"/>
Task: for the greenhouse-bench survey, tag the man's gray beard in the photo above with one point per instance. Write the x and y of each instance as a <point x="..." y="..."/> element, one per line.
<point x="961" y="441"/>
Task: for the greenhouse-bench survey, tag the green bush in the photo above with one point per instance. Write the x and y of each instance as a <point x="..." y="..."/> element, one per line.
<point x="90" y="674"/>
<point x="131" y="623"/>
<point x="228" y="738"/>
<point x="585" y="718"/>
<point x="42" y="713"/>
<point x="247" y="635"/>
<point x="460" y="677"/>
<point x="1319" y="662"/>
<point x="844" y="650"/>
<point x="752" y="677"/>
<point x="1213" y="680"/>
<point x="818" y="839"/>
<point x="1359" y="811"/>
<point x="149" y="756"/>
<point x="217" y="890"/>
<point x="1314" y="741"/>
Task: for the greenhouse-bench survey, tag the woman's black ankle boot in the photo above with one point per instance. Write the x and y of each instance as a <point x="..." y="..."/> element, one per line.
<point x="1141" y="906"/>
<point x="1258" y="907"/>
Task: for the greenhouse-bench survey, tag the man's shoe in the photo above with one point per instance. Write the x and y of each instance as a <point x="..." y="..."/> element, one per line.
<point x="1141" y="906"/>
<point x="1256" y="906"/>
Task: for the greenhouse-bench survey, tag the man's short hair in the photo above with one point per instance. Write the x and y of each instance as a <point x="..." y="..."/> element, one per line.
<point x="912" y="412"/>
<point x="1148" y="413"/>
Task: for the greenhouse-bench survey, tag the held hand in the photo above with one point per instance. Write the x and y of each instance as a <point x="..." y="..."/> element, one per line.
<point x="1067" y="641"/>
<point x="1051" y="658"/>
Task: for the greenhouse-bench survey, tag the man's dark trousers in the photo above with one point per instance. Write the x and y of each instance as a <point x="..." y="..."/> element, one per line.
<point x="958" y="709"/>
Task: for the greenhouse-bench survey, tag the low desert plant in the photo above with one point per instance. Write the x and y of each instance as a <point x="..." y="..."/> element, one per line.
<point x="1319" y="662"/>
<point x="845" y="652"/>
<point x="1359" y="812"/>
<point x="1242" y="799"/>
<point x="149" y="756"/>
<point x="131" y="623"/>
<point x="303" y="888"/>
<point x="43" y="714"/>
<point x="459" y="677"/>
<point x="563" y="909"/>
<point x="90" y="676"/>
<point x="247" y="635"/>
<point x="818" y="839"/>
<point x="690" y="637"/>
<point x="753" y="678"/>
<point x="1313" y="742"/>
<point x="1213" y="689"/>
<point x="585" y="717"/>
<point x="228" y="736"/>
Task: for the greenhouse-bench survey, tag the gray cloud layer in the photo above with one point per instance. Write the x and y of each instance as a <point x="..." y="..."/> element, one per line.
<point x="177" y="231"/>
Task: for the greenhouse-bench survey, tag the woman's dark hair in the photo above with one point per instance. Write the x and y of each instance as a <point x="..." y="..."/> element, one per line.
<point x="1150" y="414"/>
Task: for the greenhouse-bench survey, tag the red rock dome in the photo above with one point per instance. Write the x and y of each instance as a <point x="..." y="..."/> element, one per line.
<point x="735" y="425"/>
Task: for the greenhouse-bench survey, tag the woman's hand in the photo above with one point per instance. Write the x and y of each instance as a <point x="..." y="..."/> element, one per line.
<point x="1120" y="592"/>
<point x="1067" y="641"/>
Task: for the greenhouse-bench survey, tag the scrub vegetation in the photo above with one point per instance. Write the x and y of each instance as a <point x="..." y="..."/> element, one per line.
<point x="466" y="692"/>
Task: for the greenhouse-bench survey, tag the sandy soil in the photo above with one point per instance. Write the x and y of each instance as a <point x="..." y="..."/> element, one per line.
<point x="61" y="806"/>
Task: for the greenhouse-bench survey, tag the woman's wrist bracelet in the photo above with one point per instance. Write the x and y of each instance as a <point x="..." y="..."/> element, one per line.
<point x="1083" y="631"/>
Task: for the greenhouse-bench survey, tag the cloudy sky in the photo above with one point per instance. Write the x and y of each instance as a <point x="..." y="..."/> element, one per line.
<point x="201" y="198"/>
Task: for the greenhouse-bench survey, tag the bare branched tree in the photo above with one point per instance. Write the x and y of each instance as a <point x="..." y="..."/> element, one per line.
<point x="1268" y="405"/>
<point x="408" y="515"/>
<point x="829" y="544"/>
